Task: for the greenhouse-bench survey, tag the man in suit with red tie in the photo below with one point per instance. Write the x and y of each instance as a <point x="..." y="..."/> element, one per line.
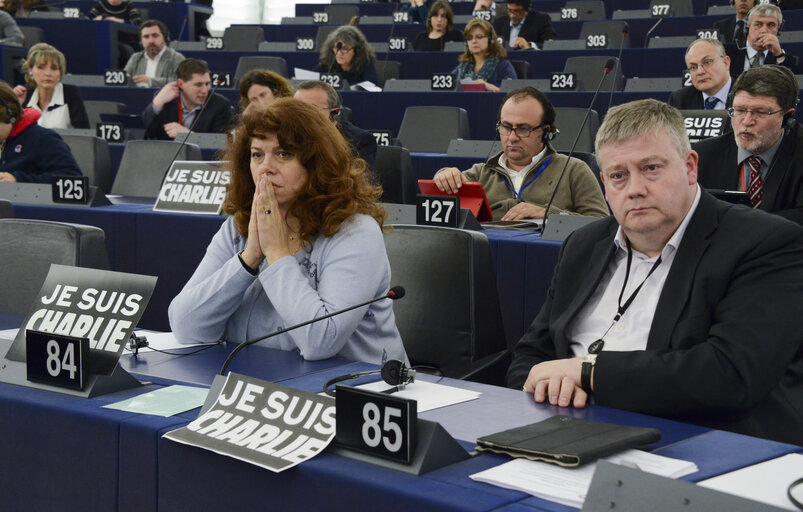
<point x="764" y="154"/>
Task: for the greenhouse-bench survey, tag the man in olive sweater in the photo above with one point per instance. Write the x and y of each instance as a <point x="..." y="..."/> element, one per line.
<point x="519" y="181"/>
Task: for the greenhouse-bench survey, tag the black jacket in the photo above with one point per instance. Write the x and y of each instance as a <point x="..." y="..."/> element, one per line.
<point x="216" y="117"/>
<point x="783" y="188"/>
<point x="536" y="28"/>
<point x="73" y="101"/>
<point x="739" y="55"/>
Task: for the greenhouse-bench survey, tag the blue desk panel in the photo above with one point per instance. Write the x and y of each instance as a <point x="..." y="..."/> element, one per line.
<point x="170" y="246"/>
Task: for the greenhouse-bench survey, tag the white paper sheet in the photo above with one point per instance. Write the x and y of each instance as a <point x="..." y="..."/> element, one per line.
<point x="428" y="395"/>
<point x="766" y="482"/>
<point x="305" y="74"/>
<point x="570" y="486"/>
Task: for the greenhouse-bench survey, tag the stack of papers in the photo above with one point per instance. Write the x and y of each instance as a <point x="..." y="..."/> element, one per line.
<point x="766" y="482"/>
<point x="570" y="486"/>
<point x="428" y="395"/>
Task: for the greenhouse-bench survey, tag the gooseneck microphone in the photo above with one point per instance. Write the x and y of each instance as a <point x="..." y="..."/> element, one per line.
<point x="395" y="293"/>
<point x="192" y="126"/>
<point x="621" y="47"/>
<point x="609" y="65"/>
<point x="647" y="37"/>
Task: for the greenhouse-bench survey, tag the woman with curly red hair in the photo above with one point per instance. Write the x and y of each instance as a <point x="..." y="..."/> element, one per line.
<point x="304" y="239"/>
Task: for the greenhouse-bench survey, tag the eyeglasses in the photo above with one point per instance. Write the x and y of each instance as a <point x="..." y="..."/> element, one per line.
<point x="522" y="132"/>
<point x="478" y="36"/>
<point x="739" y="113"/>
<point x="705" y="64"/>
<point x="342" y="48"/>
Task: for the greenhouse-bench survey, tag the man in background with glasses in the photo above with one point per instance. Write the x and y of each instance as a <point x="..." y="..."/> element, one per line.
<point x="519" y="180"/>
<point x="763" y="46"/>
<point x="763" y="157"/>
<point x="522" y="28"/>
<point x="709" y="69"/>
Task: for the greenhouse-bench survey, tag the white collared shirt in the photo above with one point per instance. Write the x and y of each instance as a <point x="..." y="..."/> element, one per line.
<point x="721" y="95"/>
<point x="751" y="52"/>
<point x="152" y="64"/>
<point x="57" y="113"/>
<point x="631" y="331"/>
<point x="517" y="177"/>
<point x="514" y="33"/>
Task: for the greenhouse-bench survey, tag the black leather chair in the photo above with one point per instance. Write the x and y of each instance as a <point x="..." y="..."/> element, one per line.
<point x="431" y="129"/>
<point x="450" y="317"/>
<point x="568" y="121"/>
<point x="394" y="169"/>
<point x="250" y="62"/>
<point x="92" y="155"/>
<point x="29" y="247"/>
<point x="243" y="38"/>
<point x="144" y="165"/>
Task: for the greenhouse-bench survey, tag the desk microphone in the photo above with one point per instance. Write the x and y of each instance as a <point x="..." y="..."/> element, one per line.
<point x="395" y="293"/>
<point x="609" y="65"/>
<point x="619" y="57"/>
<point x="647" y="37"/>
<point x="192" y="126"/>
<point x="181" y="30"/>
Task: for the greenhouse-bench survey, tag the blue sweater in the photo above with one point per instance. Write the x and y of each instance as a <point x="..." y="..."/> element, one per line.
<point x="223" y="300"/>
<point x="34" y="154"/>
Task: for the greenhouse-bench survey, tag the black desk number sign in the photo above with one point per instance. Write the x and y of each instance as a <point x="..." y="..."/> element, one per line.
<point x="70" y="189"/>
<point x="376" y="423"/>
<point x="437" y="211"/>
<point x="57" y="360"/>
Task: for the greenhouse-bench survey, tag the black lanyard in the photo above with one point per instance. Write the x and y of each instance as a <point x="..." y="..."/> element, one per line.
<point x="596" y="347"/>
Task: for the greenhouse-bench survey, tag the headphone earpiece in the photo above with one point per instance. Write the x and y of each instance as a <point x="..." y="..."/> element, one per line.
<point x="393" y="372"/>
<point x="549" y="135"/>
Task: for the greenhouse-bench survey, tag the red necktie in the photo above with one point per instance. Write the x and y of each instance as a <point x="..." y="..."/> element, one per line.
<point x="756" y="189"/>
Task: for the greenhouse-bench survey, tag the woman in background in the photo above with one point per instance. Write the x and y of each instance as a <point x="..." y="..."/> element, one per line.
<point x="304" y="239"/>
<point x="346" y="52"/>
<point x="61" y="105"/>
<point x="440" y="29"/>
<point x="259" y="87"/>
<point x="485" y="60"/>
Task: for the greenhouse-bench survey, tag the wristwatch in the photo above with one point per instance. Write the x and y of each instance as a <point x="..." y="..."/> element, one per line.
<point x="589" y="360"/>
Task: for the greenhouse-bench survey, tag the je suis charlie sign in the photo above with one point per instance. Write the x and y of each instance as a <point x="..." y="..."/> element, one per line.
<point x="100" y="305"/>
<point x="193" y="187"/>
<point x="262" y="423"/>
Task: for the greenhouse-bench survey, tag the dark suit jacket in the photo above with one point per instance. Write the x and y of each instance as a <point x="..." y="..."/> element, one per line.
<point x="727" y="27"/>
<point x="738" y="56"/>
<point x="689" y="98"/>
<point x="216" y="117"/>
<point x="536" y="28"/>
<point x="783" y="188"/>
<point x="74" y="102"/>
<point x="724" y="348"/>
<point x="363" y="142"/>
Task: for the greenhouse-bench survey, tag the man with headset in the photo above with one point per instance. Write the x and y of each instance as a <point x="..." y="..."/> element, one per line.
<point x="156" y="64"/>
<point x="326" y="98"/>
<point x="764" y="155"/>
<point x="519" y="180"/>
<point x="733" y="29"/>
<point x="763" y="47"/>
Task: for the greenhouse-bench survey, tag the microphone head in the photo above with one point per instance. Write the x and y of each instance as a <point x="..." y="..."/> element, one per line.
<point x="610" y="64"/>
<point x="396" y="293"/>
<point x="339" y="45"/>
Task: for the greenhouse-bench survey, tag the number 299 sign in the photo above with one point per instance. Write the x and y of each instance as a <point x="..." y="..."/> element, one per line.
<point x="377" y="424"/>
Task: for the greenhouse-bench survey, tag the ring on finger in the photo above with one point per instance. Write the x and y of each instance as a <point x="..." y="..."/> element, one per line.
<point x="267" y="212"/>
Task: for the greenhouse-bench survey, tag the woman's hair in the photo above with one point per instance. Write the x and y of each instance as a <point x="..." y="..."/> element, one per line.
<point x="495" y="48"/>
<point x="43" y="52"/>
<point x="350" y="36"/>
<point x="338" y="183"/>
<point x="273" y="81"/>
<point x="447" y="10"/>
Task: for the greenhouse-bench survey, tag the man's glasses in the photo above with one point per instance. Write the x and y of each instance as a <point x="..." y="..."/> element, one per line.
<point x="739" y="113"/>
<point x="521" y="131"/>
<point x="705" y="64"/>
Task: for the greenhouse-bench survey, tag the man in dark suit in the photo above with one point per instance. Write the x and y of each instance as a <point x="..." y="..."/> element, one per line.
<point x="762" y="47"/>
<point x="709" y="68"/>
<point x="179" y="106"/>
<point x="325" y="97"/>
<point x="733" y="29"/>
<point x="680" y="305"/>
<point x="522" y="28"/>
<point x="764" y="154"/>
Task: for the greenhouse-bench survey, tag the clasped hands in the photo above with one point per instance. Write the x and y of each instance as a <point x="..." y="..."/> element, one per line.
<point x="557" y="381"/>
<point x="268" y="233"/>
